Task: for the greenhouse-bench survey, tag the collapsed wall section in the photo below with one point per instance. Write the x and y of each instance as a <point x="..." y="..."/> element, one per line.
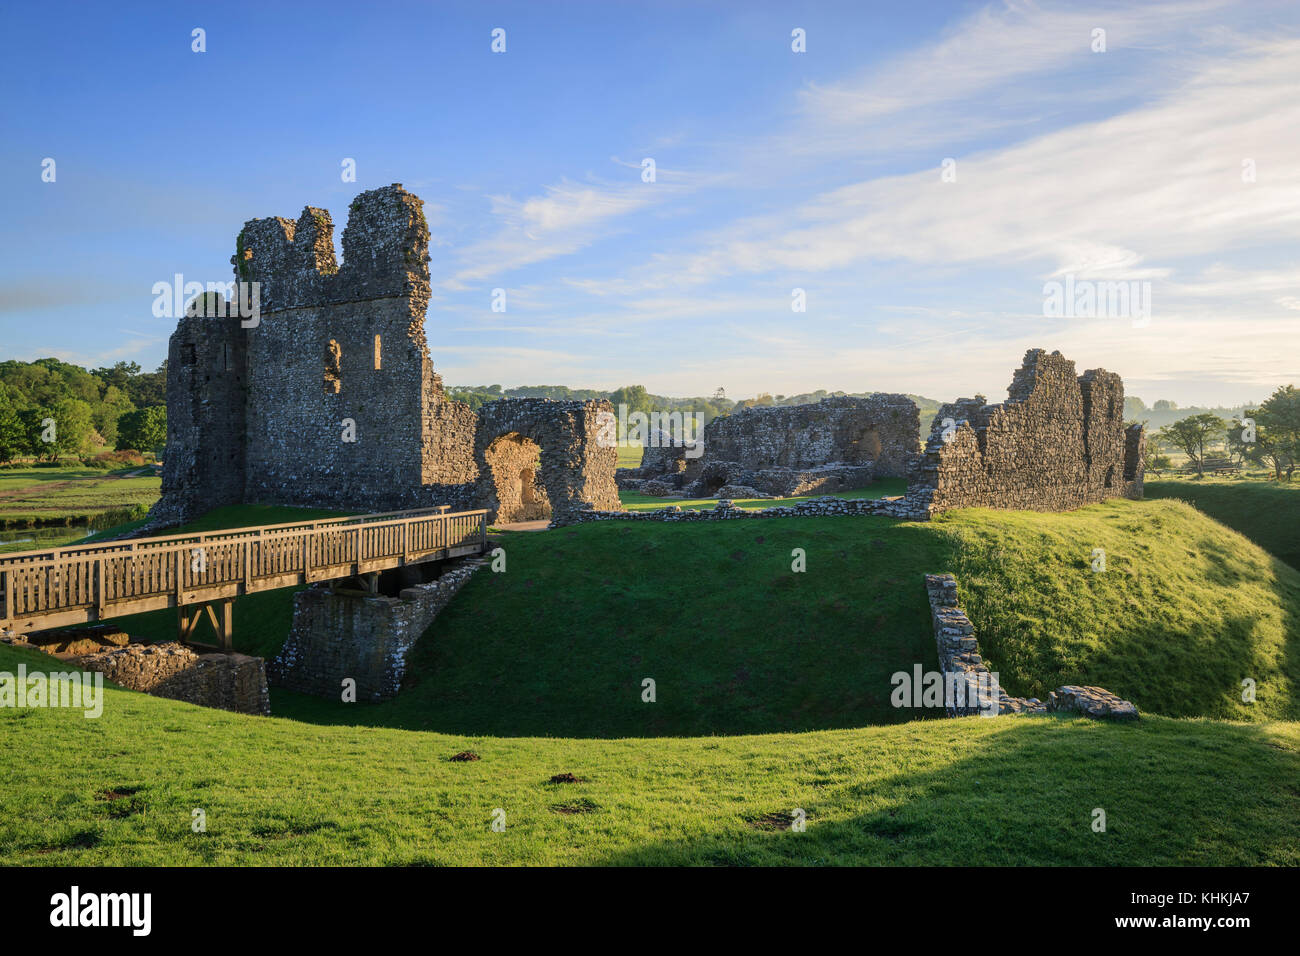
<point x="833" y="445"/>
<point x="1057" y="443"/>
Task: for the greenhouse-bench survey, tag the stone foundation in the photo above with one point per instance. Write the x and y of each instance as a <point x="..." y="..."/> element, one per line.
<point x="233" y="682"/>
<point x="336" y="636"/>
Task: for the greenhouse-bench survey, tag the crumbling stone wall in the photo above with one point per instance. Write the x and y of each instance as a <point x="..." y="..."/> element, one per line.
<point x="367" y="638"/>
<point x="329" y="398"/>
<point x="575" y="463"/>
<point x="204" y="465"/>
<point x="1057" y="443"/>
<point x="233" y="682"/>
<point x="836" y="444"/>
<point x="959" y="656"/>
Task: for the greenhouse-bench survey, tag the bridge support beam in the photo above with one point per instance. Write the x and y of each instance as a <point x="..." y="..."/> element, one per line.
<point x="220" y="613"/>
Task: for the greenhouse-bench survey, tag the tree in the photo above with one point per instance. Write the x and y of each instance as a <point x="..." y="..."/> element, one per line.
<point x="73" y="427"/>
<point x="1164" y="405"/>
<point x="1277" y="426"/>
<point x="635" y="397"/>
<point x="144" y="429"/>
<point x="13" y="436"/>
<point x="1191" y="434"/>
<point x="1133" y="406"/>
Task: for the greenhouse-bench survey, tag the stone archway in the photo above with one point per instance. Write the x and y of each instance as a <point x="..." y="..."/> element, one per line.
<point x="514" y="469"/>
<point x="538" y="458"/>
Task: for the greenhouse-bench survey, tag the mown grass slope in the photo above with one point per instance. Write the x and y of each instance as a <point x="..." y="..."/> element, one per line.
<point x="122" y="790"/>
<point x="738" y="642"/>
<point x="1266" y="512"/>
<point x="1184" y="611"/>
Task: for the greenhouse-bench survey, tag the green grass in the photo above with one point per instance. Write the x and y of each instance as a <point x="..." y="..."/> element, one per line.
<point x="1010" y="791"/>
<point x="738" y="643"/>
<point x="629" y="456"/>
<point x="539" y="671"/>
<point x="1185" y="610"/>
<point x="635" y="501"/>
<point x="71" y="494"/>
<point x="1266" y="512"/>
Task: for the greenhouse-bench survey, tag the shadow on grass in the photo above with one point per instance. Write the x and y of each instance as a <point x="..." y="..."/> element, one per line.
<point x="1173" y="793"/>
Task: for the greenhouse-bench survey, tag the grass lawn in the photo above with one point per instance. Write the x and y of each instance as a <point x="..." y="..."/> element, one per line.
<point x="635" y="501"/>
<point x="772" y="694"/>
<point x="121" y="790"/>
<point x="1267" y="512"/>
<point x="629" y="456"/>
<point x="73" y="495"/>
<point x="738" y="643"/>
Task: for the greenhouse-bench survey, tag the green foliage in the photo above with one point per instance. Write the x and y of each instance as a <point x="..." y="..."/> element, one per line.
<point x="13" y="433"/>
<point x="1192" y="434"/>
<point x="43" y="389"/>
<point x="144" y="429"/>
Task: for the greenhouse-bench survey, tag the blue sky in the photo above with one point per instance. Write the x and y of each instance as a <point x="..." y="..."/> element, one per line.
<point x="776" y="170"/>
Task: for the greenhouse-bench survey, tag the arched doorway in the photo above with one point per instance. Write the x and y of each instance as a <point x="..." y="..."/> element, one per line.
<point x="514" y="462"/>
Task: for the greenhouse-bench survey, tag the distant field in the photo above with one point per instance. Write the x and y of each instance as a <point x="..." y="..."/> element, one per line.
<point x="72" y="495"/>
<point x="629" y="456"/>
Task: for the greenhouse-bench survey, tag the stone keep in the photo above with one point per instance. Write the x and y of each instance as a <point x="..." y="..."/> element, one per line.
<point x="1057" y="443"/>
<point x="329" y="398"/>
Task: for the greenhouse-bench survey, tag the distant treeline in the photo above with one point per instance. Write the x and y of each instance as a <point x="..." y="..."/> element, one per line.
<point x="1165" y="412"/>
<point x="50" y="408"/>
<point x="637" y="399"/>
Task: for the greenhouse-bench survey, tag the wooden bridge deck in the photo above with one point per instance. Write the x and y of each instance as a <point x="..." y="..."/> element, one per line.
<point x="55" y="588"/>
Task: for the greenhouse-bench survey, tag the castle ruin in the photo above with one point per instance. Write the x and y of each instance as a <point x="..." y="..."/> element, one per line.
<point x="1058" y="442"/>
<point x="837" y="444"/>
<point x="328" y="398"/>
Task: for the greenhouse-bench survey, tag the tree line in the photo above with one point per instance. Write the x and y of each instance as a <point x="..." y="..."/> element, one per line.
<point x="1267" y="436"/>
<point x="51" y="409"/>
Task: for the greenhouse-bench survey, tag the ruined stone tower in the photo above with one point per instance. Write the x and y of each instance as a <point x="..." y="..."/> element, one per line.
<point x="327" y="397"/>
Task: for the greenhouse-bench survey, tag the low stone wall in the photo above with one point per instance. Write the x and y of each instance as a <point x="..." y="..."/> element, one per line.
<point x="233" y="682"/>
<point x="959" y="656"/>
<point x="725" y="511"/>
<point x="336" y="636"/>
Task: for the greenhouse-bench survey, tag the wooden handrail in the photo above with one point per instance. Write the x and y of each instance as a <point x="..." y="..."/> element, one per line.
<point x="133" y="575"/>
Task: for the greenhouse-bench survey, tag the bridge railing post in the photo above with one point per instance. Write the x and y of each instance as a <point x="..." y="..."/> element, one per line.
<point x="101" y="589"/>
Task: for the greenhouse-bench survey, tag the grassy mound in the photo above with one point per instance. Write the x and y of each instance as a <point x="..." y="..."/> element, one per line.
<point x="123" y="789"/>
<point x="737" y="642"/>
<point x="1266" y="512"/>
<point x="1184" y="612"/>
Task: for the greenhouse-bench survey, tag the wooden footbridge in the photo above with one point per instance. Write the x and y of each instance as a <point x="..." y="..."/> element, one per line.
<point x="195" y="573"/>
